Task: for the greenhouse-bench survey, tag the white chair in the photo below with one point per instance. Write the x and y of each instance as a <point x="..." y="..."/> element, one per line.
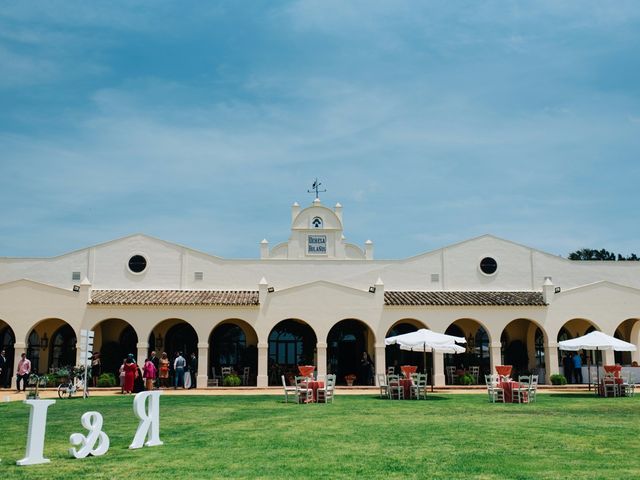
<point x="245" y="375"/>
<point x="609" y="386"/>
<point x="474" y="371"/>
<point x="451" y="374"/>
<point x="215" y="379"/>
<point x="496" y="393"/>
<point x="628" y="387"/>
<point x="391" y="370"/>
<point x="533" y="388"/>
<point x="287" y="390"/>
<point x="520" y="392"/>
<point x="303" y="392"/>
<point x="325" y="394"/>
<point x="419" y="386"/>
<point x="394" y="387"/>
<point x="384" y="386"/>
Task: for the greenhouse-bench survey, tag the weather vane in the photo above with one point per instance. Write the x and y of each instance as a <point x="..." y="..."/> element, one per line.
<point x="315" y="188"/>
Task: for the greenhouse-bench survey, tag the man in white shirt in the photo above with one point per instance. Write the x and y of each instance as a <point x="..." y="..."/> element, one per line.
<point x="179" y="365"/>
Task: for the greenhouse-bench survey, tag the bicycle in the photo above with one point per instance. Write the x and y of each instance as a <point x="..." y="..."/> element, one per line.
<point x="66" y="390"/>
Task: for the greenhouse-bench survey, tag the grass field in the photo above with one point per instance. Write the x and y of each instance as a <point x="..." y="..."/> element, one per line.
<point x="448" y="436"/>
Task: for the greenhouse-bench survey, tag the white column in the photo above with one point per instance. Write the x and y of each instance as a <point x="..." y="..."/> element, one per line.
<point x="608" y="357"/>
<point x="496" y="356"/>
<point x="203" y="365"/>
<point x="438" y="370"/>
<point x="263" y="364"/>
<point x="551" y="361"/>
<point x="143" y="352"/>
<point x="321" y="355"/>
<point x="380" y="360"/>
<point x="19" y="349"/>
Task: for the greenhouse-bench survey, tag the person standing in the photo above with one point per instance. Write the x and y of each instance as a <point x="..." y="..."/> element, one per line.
<point x="4" y="369"/>
<point x="577" y="367"/>
<point x="156" y="363"/>
<point x="130" y="369"/>
<point x="149" y="373"/>
<point x="179" y="365"/>
<point x="164" y="370"/>
<point x="567" y="364"/>
<point x="365" y="369"/>
<point x="122" y="374"/>
<point x="96" y="368"/>
<point x="193" y="369"/>
<point x="24" y="369"/>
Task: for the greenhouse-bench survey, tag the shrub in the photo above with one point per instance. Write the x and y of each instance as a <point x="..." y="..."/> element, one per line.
<point x="558" y="379"/>
<point x="465" y="379"/>
<point x="231" y="381"/>
<point x="107" y="380"/>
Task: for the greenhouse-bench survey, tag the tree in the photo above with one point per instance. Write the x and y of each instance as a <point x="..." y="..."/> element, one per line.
<point x="591" y="254"/>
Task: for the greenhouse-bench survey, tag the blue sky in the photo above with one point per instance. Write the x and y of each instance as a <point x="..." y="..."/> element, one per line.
<point x="431" y="122"/>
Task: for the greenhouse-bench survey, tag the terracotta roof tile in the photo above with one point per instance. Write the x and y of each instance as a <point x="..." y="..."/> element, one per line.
<point x="175" y="297"/>
<point x="463" y="298"/>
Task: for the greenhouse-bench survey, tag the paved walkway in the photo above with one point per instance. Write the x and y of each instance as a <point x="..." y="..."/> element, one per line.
<point x="7" y="395"/>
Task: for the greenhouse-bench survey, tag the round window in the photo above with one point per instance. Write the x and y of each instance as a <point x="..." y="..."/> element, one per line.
<point x="137" y="264"/>
<point x="488" y="265"/>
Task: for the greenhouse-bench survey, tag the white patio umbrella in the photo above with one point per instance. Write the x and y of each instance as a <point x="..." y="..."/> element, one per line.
<point x="596" y="341"/>
<point x="425" y="339"/>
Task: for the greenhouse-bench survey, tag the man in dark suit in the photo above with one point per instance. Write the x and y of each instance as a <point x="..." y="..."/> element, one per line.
<point x="4" y="369"/>
<point x="193" y="369"/>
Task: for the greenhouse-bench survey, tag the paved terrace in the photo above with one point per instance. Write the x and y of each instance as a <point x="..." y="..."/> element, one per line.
<point x="8" y="395"/>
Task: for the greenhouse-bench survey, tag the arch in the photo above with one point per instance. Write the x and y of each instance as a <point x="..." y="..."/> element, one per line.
<point x="292" y="342"/>
<point x="233" y="342"/>
<point x="395" y="357"/>
<point x="523" y="342"/>
<point x="51" y="344"/>
<point x="7" y="344"/>
<point x="115" y="338"/>
<point x="477" y="347"/>
<point x="173" y="335"/>
<point x="62" y="349"/>
<point x="627" y="331"/>
<point x="573" y="328"/>
<point x="347" y="341"/>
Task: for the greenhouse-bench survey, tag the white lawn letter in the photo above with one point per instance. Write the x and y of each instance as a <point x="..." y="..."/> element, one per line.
<point x="35" y="437"/>
<point x="149" y="421"/>
<point x="92" y="421"/>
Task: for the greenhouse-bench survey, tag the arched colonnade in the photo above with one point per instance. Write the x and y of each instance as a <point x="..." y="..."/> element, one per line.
<point x="270" y="353"/>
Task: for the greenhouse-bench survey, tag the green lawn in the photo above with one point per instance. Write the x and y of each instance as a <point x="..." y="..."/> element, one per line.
<point x="447" y="436"/>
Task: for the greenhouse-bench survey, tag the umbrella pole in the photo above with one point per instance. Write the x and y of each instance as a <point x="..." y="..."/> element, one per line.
<point x="589" y="370"/>
<point x="433" y="359"/>
<point x="597" y="369"/>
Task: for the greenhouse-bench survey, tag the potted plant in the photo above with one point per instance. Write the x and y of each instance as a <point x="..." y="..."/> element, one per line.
<point x="107" y="380"/>
<point x="231" y="381"/>
<point x="558" y="379"/>
<point x="350" y="379"/>
<point x="62" y="375"/>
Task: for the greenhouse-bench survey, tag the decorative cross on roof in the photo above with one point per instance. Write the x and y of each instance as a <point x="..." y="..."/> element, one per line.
<point x="315" y="188"/>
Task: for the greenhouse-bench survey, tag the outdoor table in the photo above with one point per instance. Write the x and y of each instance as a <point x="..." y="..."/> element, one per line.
<point x="618" y="380"/>
<point x="508" y="388"/>
<point x="306" y="370"/>
<point x="615" y="369"/>
<point x="314" y="385"/>
<point x="407" y="370"/>
<point x="503" y="370"/>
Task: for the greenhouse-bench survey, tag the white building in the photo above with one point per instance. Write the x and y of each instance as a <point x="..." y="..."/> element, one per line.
<point x="314" y="298"/>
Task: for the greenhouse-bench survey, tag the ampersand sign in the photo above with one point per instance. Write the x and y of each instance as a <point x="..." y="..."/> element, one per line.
<point x="92" y="421"/>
